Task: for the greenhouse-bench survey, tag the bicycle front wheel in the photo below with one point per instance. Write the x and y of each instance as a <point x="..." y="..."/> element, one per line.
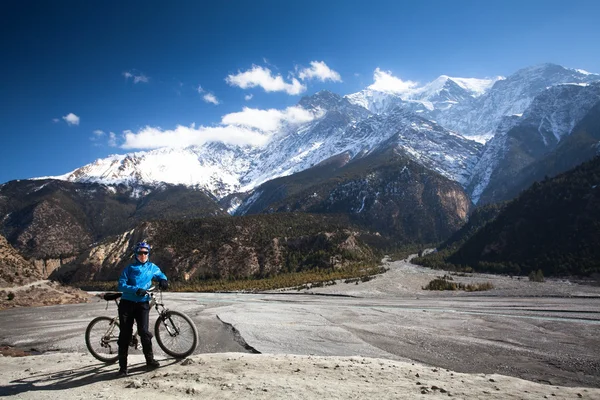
<point x="101" y="338"/>
<point x="176" y="334"/>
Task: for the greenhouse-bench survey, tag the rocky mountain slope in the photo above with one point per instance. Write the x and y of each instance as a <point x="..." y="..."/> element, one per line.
<point x="542" y="131"/>
<point x="230" y="248"/>
<point x="385" y="191"/>
<point x="52" y="220"/>
<point x="22" y="284"/>
<point x="14" y="269"/>
<point x="440" y="94"/>
<point x="509" y="96"/>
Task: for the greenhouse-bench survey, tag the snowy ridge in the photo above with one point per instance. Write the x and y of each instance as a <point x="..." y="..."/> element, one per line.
<point x="508" y="97"/>
<point x="440" y="93"/>
<point x="193" y="166"/>
<point x="552" y="114"/>
<point x="435" y="124"/>
<point x="493" y="152"/>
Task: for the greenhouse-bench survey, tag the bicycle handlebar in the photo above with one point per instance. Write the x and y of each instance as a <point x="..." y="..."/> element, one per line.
<point x="115" y="295"/>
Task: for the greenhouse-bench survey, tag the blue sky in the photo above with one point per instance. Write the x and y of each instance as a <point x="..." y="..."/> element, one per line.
<point x="81" y="80"/>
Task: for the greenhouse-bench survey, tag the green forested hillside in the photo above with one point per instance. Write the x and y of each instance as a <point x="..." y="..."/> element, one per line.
<point x="553" y="226"/>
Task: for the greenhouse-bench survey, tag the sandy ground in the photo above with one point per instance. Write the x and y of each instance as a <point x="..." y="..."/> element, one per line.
<point x="281" y="376"/>
<point x="406" y="280"/>
<point x="261" y="376"/>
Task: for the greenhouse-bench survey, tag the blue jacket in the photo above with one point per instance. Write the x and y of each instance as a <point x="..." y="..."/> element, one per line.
<point x="138" y="276"/>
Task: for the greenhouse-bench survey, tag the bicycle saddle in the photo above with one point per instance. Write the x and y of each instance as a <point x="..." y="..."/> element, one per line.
<point x="112" y="296"/>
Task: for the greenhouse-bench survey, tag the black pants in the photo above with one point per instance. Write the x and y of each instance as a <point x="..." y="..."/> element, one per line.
<point x="130" y="311"/>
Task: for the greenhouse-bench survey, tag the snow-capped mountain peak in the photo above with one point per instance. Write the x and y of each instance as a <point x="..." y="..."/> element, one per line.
<point x="214" y="166"/>
<point x="435" y="124"/>
<point x="440" y="94"/>
<point x="475" y="87"/>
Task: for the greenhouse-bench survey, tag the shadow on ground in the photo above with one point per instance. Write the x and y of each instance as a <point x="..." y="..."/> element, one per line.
<point x="72" y="378"/>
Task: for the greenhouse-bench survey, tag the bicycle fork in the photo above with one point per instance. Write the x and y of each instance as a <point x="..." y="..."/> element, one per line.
<point x="170" y="326"/>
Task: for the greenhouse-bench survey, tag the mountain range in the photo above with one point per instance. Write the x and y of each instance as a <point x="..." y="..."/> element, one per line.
<point x="446" y="125"/>
<point x="409" y="166"/>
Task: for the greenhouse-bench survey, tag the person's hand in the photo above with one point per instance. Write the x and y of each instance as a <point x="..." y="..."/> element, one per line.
<point x="141" y="292"/>
<point x="163" y="284"/>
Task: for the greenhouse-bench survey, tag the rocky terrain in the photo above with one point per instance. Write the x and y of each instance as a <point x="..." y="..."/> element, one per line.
<point x="22" y="285"/>
<point x="295" y="376"/>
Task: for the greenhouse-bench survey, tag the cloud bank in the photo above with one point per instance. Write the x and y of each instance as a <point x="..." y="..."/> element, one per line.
<point x="263" y="77"/>
<point x="384" y="81"/>
<point x="268" y="120"/>
<point x="250" y="126"/>
<point x="320" y="71"/>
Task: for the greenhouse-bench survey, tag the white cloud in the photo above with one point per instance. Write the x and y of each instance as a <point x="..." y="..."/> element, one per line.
<point x="247" y="127"/>
<point x="97" y="135"/>
<point x="71" y="119"/>
<point x="248" y="97"/>
<point x="136" y="76"/>
<point x="384" y="81"/>
<point x="268" y="120"/>
<point x="262" y="77"/>
<point x="55" y="120"/>
<point x="183" y="136"/>
<point x="211" y="98"/>
<point x="319" y="70"/>
<point x="199" y="89"/>
<point x="112" y="139"/>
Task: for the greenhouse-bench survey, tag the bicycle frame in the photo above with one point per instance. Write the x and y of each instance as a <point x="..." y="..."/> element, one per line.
<point x="162" y="312"/>
<point x="106" y="339"/>
<point x="178" y="327"/>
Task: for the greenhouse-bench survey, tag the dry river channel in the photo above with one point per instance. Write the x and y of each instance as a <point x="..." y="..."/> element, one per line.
<point x="554" y="340"/>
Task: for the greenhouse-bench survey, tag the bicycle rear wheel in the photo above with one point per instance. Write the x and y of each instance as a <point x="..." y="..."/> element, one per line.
<point x="176" y="334"/>
<point x="101" y="338"/>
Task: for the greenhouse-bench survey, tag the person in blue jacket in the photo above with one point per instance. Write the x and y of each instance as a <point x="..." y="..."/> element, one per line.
<point x="134" y="282"/>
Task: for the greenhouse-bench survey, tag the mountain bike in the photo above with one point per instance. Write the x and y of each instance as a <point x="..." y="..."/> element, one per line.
<point x="175" y="332"/>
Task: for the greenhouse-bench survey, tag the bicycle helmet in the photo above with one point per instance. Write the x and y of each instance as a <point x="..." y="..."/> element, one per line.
<point x="141" y="245"/>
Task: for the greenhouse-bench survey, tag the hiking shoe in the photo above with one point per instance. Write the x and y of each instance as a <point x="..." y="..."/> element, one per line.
<point x="152" y="364"/>
<point x="122" y="373"/>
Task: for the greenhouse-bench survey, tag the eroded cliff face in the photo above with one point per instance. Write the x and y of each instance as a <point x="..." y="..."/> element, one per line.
<point x="46" y="267"/>
<point x="100" y="260"/>
<point x="456" y="203"/>
<point x="105" y="260"/>
<point x="14" y="269"/>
